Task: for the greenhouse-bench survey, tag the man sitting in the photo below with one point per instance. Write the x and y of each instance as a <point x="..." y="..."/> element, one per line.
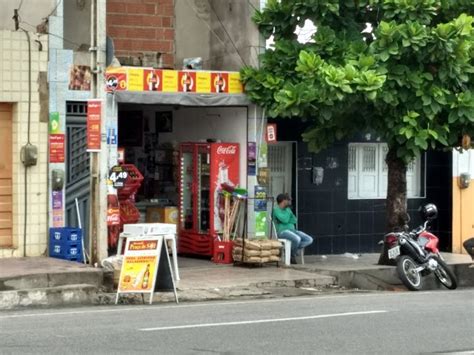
<point x="285" y="222"/>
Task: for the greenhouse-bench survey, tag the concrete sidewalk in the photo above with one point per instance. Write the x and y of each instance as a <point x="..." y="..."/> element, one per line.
<point x="361" y="271"/>
<point x="51" y="282"/>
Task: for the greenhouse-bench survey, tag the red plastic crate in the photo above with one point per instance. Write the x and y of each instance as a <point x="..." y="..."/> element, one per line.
<point x="128" y="213"/>
<point x="222" y="252"/>
<point x="132" y="183"/>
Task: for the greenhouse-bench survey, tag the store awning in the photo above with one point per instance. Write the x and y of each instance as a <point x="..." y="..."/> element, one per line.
<point x="175" y="87"/>
<point x="182" y="99"/>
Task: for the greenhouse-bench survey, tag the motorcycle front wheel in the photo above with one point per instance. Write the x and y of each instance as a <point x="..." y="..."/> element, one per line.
<point x="411" y="278"/>
<point x="445" y="275"/>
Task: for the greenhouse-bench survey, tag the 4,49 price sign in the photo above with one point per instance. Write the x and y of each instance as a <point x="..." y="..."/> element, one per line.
<point x="118" y="176"/>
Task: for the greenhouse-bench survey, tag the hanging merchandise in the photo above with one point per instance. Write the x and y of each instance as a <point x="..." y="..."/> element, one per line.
<point x="206" y="169"/>
<point x="127" y="179"/>
<point x="113" y="216"/>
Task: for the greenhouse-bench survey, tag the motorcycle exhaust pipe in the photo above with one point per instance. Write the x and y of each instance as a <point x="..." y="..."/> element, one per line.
<point x="412" y="251"/>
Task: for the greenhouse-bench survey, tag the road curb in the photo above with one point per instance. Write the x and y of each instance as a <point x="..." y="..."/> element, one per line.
<point x="67" y="295"/>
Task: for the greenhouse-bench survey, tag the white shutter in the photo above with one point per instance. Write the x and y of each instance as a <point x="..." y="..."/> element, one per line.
<point x="414" y="177"/>
<point x="368" y="171"/>
<point x="352" y="181"/>
<point x="383" y="175"/>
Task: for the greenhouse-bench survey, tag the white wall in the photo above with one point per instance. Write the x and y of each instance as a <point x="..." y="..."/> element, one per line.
<point x="463" y="163"/>
<point x="228" y="124"/>
<point x="31" y="13"/>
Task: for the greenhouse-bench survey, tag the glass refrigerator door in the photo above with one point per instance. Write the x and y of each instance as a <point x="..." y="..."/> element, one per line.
<point x="203" y="189"/>
<point x="186" y="215"/>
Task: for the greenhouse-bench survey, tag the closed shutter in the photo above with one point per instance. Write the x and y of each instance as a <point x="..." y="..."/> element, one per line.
<point x="6" y="195"/>
<point x="353" y="179"/>
<point x="368" y="171"/>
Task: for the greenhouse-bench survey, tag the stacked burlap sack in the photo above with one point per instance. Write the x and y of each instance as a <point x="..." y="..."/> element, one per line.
<point x="256" y="251"/>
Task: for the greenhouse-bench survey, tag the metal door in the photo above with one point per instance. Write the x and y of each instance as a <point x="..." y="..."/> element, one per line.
<point x="6" y="172"/>
<point x="77" y="166"/>
<point x="280" y="165"/>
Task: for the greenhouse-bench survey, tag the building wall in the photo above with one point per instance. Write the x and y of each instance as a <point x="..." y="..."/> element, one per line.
<point x="142" y="28"/>
<point x="463" y="200"/>
<point x="341" y="225"/>
<point x="32" y="13"/>
<point x="221" y="32"/>
<point x="14" y="89"/>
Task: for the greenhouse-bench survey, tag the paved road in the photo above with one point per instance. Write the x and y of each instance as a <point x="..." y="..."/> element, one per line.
<point x="379" y="323"/>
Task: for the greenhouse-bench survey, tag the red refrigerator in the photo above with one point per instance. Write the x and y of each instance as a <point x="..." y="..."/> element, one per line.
<point x="204" y="167"/>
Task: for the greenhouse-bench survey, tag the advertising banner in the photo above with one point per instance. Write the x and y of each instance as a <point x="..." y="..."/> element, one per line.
<point x="140" y="264"/>
<point x="173" y="81"/>
<point x="56" y="148"/>
<point x="94" y="114"/>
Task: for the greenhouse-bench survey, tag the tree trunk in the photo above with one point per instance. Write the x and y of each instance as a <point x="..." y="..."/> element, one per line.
<point x="397" y="216"/>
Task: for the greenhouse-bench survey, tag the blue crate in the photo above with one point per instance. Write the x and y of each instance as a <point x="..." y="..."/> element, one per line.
<point x="66" y="251"/>
<point x="65" y="234"/>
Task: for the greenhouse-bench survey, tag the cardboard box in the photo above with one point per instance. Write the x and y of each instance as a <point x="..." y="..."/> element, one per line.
<point x="162" y="215"/>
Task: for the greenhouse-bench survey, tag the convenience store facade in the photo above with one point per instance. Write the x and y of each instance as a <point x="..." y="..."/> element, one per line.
<point x="150" y="113"/>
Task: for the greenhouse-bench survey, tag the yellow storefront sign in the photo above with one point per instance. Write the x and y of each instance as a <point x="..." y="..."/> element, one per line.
<point x="203" y="82"/>
<point x="170" y="81"/>
<point x="135" y="79"/>
<point x="235" y="85"/>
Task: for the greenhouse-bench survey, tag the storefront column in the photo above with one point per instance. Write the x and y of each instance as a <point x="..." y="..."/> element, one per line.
<point x="463" y="199"/>
<point x="255" y="136"/>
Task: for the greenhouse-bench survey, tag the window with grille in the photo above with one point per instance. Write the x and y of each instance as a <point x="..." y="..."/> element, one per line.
<point x="368" y="172"/>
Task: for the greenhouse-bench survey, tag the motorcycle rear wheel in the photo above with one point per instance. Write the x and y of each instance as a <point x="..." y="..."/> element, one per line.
<point x="444" y="274"/>
<point x="406" y="269"/>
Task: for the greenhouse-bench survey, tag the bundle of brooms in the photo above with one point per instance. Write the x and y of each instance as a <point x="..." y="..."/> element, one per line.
<point x="256" y="251"/>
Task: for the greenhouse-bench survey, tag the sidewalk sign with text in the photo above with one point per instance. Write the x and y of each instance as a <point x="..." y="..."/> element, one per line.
<point x="140" y="265"/>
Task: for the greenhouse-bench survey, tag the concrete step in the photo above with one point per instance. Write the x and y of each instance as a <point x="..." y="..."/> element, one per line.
<point x="52" y="279"/>
<point x="41" y="272"/>
<point x="386" y="278"/>
<point x="68" y="295"/>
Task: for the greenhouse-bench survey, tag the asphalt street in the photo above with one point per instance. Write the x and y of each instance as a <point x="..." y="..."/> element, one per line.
<point x="375" y="323"/>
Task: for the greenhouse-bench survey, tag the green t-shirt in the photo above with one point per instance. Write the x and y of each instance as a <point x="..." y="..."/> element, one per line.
<point x="284" y="219"/>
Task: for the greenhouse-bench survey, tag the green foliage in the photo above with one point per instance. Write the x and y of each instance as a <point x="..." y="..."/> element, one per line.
<point x="410" y="79"/>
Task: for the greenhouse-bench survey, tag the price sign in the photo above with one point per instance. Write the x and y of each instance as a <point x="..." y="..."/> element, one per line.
<point x="118" y="176"/>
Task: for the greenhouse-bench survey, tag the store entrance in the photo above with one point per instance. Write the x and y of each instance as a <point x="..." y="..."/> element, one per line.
<point x="184" y="155"/>
<point x="282" y="170"/>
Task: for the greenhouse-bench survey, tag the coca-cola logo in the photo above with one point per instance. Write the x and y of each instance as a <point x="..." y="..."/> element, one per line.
<point x="226" y="150"/>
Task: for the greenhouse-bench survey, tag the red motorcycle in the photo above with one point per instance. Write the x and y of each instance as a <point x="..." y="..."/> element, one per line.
<point x="417" y="254"/>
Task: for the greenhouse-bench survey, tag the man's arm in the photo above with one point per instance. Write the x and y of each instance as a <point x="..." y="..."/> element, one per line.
<point x="282" y="216"/>
<point x="293" y="218"/>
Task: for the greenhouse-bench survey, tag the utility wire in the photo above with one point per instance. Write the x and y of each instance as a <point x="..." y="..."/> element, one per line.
<point x="53" y="34"/>
<point x="210" y="28"/>
<point x="57" y="4"/>
<point x="228" y="35"/>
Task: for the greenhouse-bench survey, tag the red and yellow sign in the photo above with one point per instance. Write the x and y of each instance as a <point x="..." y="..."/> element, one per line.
<point x="94" y="113"/>
<point x="116" y="80"/>
<point x="187" y="81"/>
<point x="56" y="148"/>
<point x="138" y="273"/>
<point x="220" y="83"/>
<point x="140" y="264"/>
<point x="173" y="81"/>
<point x="153" y="80"/>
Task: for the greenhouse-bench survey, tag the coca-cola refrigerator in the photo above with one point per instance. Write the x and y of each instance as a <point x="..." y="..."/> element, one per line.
<point x="204" y="169"/>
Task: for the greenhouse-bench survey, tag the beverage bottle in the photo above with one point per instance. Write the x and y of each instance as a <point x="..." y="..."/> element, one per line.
<point x="146" y="277"/>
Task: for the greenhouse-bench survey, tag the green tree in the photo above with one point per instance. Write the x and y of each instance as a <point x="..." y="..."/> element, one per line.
<point x="403" y="69"/>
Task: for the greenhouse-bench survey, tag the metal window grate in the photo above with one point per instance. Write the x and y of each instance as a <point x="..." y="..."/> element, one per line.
<point x="76" y="109"/>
